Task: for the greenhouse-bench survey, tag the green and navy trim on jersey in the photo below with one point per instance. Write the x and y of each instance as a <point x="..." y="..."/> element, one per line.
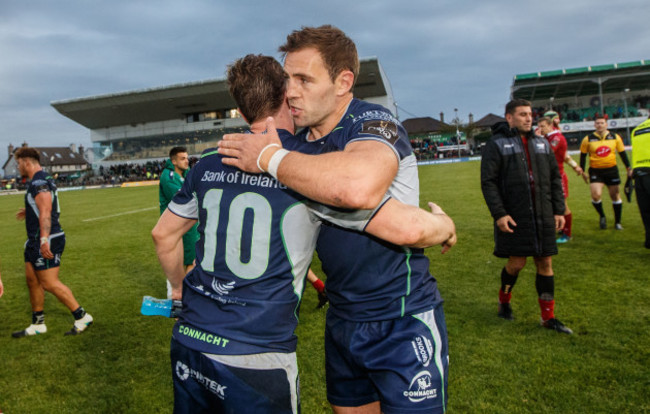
<point x="256" y="242"/>
<point x="369" y="279"/>
<point x="41" y="183"/>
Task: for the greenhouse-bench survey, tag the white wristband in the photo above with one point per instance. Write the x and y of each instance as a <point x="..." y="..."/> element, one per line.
<point x="44" y="240"/>
<point x="262" y="152"/>
<point x="275" y="161"/>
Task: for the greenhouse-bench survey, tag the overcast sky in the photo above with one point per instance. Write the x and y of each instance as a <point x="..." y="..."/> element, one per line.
<point x="438" y="55"/>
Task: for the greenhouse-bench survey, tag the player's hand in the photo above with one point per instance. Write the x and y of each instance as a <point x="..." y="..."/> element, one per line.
<point x="20" y="215"/>
<point x="451" y="241"/>
<point x="2" y="289"/>
<point x="629" y="171"/>
<point x="243" y="150"/>
<point x="504" y="224"/>
<point x="435" y="209"/>
<point x="579" y="171"/>
<point x="559" y="222"/>
<point x="177" y="292"/>
<point x="46" y="252"/>
<point x="585" y="177"/>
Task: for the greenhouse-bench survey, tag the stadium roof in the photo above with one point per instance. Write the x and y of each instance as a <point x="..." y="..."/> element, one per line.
<point x="420" y="125"/>
<point x="177" y="101"/>
<point x="488" y="120"/>
<point x="582" y="81"/>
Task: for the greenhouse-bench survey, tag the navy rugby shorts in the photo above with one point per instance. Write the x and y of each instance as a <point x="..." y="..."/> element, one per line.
<point x="401" y="363"/>
<point x="243" y="384"/>
<point x="33" y="252"/>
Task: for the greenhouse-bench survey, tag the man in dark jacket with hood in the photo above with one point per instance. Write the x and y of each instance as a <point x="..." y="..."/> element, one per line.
<point x="522" y="187"/>
<point x="171" y="180"/>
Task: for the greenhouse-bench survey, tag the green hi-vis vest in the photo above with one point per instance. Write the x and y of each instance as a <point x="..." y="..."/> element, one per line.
<point x="641" y="145"/>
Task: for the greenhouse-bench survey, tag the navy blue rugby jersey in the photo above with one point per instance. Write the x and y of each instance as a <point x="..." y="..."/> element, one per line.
<point x="369" y="279"/>
<point x="256" y="243"/>
<point x="41" y="183"/>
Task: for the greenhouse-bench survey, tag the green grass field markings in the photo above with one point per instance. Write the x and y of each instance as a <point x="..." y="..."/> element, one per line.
<point x="121" y="214"/>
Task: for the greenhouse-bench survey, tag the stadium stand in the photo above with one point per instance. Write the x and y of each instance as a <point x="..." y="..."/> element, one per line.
<point x="621" y="91"/>
<point x="142" y="126"/>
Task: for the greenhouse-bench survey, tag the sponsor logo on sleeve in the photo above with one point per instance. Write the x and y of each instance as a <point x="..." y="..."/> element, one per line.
<point x="381" y="128"/>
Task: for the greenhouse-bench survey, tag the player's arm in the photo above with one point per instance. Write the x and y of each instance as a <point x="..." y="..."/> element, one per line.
<point x="573" y="164"/>
<point x="167" y="236"/>
<point x="621" y="153"/>
<point x="490" y="171"/>
<point x="169" y="186"/>
<point x="356" y="178"/>
<point x="406" y="225"/>
<point x="584" y="149"/>
<point x="557" y="194"/>
<point x="44" y="204"/>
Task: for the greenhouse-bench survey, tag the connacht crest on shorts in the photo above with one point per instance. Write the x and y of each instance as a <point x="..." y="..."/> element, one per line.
<point x="381" y="128"/>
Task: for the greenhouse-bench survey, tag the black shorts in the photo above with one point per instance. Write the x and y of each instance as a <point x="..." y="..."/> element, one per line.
<point x="33" y="252"/>
<point x="609" y="176"/>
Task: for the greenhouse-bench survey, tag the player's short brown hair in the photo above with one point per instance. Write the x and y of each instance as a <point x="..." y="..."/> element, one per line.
<point x="258" y="84"/>
<point x="338" y="51"/>
<point x="27" y="152"/>
<point x="514" y="104"/>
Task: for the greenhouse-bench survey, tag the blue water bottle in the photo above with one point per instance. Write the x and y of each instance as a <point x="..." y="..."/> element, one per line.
<point x="161" y="307"/>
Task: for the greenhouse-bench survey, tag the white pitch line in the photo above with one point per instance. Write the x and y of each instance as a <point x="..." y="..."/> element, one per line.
<point x="121" y="214"/>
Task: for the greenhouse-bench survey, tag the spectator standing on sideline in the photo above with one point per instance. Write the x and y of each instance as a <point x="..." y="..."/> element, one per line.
<point x="601" y="147"/>
<point x="44" y="246"/>
<point x="522" y="187"/>
<point x="559" y="146"/>
<point x="641" y="172"/>
<point x="383" y="300"/>
<point x="171" y="180"/>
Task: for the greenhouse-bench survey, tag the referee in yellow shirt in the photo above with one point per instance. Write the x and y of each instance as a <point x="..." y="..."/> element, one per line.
<point x="641" y="170"/>
<point x="601" y="146"/>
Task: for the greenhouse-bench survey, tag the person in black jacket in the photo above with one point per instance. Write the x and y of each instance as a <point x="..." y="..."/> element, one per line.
<point x="522" y="187"/>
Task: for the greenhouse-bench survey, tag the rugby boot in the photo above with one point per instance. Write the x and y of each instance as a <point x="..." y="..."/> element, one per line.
<point x="556" y="325"/>
<point x="563" y="239"/>
<point x="80" y="325"/>
<point x="603" y="223"/>
<point x="31" y="330"/>
<point x="618" y="226"/>
<point x="505" y="311"/>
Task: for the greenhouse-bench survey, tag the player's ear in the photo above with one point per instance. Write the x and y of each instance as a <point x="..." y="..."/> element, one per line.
<point x="344" y="82"/>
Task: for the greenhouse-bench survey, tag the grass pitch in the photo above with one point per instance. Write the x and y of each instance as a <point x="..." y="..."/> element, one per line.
<point x="121" y="365"/>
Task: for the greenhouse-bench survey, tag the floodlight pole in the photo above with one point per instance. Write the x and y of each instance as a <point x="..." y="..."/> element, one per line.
<point x="627" y="122"/>
<point x="457" y="132"/>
